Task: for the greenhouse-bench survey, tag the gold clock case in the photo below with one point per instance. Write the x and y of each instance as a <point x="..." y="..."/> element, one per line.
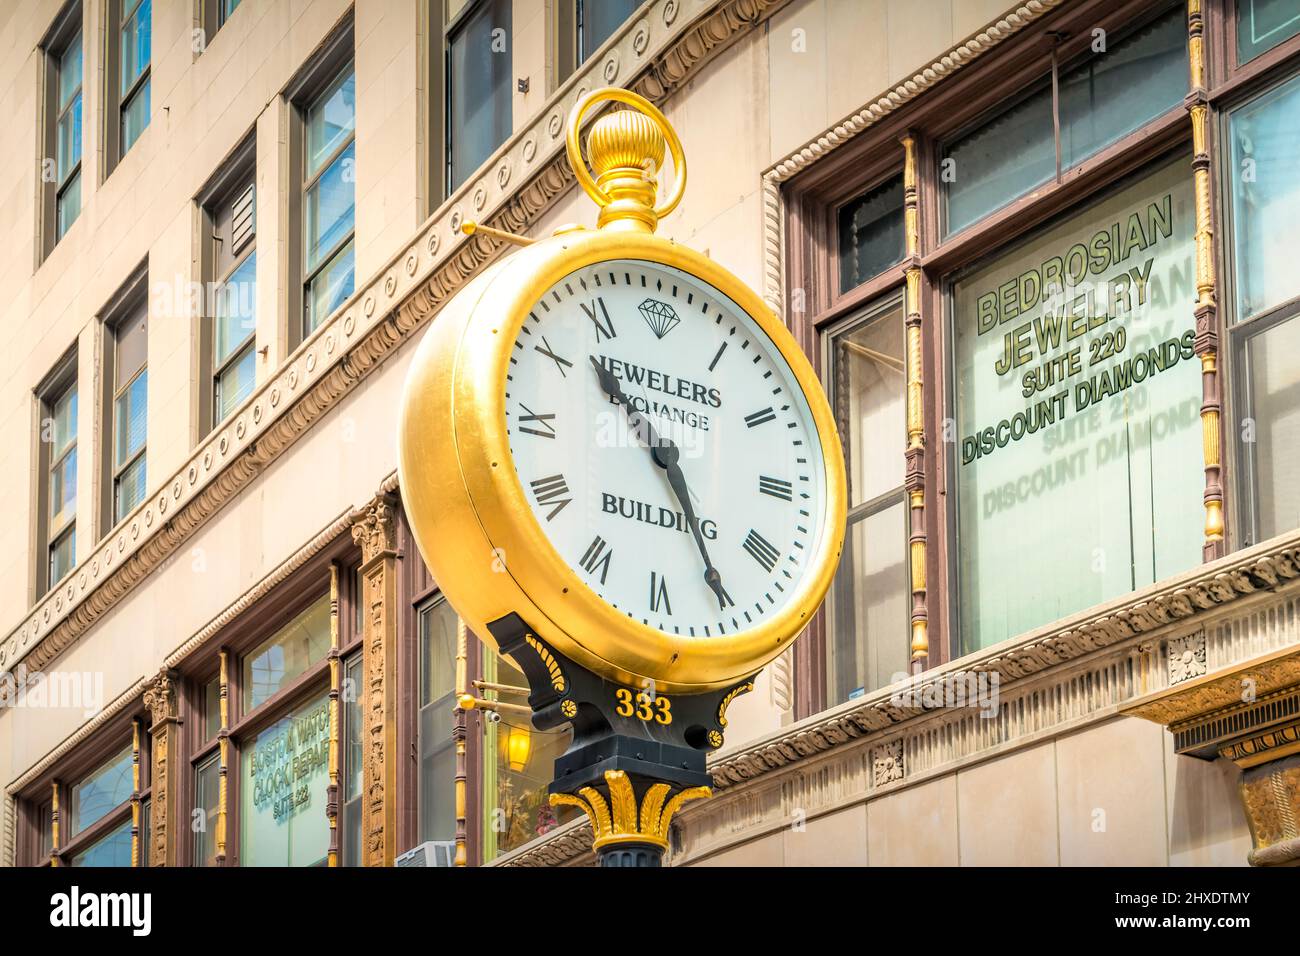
<point x="485" y="547"/>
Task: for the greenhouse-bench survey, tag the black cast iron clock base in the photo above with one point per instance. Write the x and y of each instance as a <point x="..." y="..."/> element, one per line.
<point x="636" y="754"/>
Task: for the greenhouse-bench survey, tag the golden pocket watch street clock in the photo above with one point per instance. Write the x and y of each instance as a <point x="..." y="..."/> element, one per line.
<point x="620" y="466"/>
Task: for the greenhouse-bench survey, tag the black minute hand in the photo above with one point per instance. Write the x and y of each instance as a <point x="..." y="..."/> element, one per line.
<point x="666" y="455"/>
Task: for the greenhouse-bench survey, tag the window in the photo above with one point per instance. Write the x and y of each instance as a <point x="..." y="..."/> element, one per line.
<point x="1263" y="24"/>
<point x="57" y="527"/>
<point x="871" y="233"/>
<point x="1111" y="93"/>
<point x="215" y="15"/>
<point x="111" y="850"/>
<point x="437" y="633"/>
<point x="287" y="654"/>
<point x="230" y="269"/>
<point x="1264" y="333"/>
<point x="350" y="802"/>
<point x="130" y="30"/>
<point x="328" y="198"/>
<point x="128" y="416"/>
<point x="870" y="598"/>
<point x="1077" y="400"/>
<point x="583" y="26"/>
<point x="206" y="799"/>
<point x="61" y="173"/>
<point x="479" y="87"/>
<point x="283" y="790"/>
<point x="518" y="764"/>
<point x="99" y="793"/>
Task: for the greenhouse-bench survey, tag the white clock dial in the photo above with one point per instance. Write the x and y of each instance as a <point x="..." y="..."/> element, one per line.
<point x="666" y="448"/>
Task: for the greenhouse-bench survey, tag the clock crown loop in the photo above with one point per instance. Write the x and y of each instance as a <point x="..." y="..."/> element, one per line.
<point x="626" y="148"/>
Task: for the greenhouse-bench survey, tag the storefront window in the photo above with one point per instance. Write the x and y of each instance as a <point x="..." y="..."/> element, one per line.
<point x="871" y="233"/>
<point x="868" y="639"/>
<point x="1077" y="394"/>
<point x="518" y="765"/>
<point x="351" y="808"/>
<point x="283" y="784"/>
<point x="437" y="700"/>
<point x="1263" y="24"/>
<point x="1113" y="92"/>
<point x="206" y="803"/>
<point x="287" y="655"/>
<point x="112" y="850"/>
<point x="102" y="791"/>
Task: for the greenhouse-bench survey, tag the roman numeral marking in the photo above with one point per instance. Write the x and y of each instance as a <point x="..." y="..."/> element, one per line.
<point x="722" y="348"/>
<point x="597" y="556"/>
<point x="760" y="416"/>
<point x="776" y="488"/>
<point x="543" y="420"/>
<point x="560" y="363"/>
<point x="605" y="328"/>
<point x="761" y="550"/>
<point x="659" y="594"/>
<point x="552" y="491"/>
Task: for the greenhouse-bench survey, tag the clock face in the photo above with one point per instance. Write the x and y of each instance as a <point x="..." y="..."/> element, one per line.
<point x="665" y="448"/>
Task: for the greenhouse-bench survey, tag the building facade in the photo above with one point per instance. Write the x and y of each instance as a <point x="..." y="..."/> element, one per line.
<point x="1038" y="254"/>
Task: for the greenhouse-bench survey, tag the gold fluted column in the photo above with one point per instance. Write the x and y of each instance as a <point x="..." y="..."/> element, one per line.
<point x="54" y="824"/>
<point x="459" y="734"/>
<point x="374" y="529"/>
<point x="914" y="481"/>
<point x="1207" y="329"/>
<point x="135" y="791"/>
<point x="223" y="759"/>
<point x="332" y="796"/>
<point x="164" y="726"/>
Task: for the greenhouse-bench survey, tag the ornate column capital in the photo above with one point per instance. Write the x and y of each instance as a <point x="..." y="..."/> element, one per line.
<point x="160" y="697"/>
<point x="374" y="527"/>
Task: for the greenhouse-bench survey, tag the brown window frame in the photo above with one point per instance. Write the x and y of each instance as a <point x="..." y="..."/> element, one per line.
<point x="814" y="196"/>
<point x="237" y="174"/>
<point x="240" y="637"/>
<point x="131" y="301"/>
<point x="34" y="802"/>
<point x="52" y="389"/>
<point x="67" y="27"/>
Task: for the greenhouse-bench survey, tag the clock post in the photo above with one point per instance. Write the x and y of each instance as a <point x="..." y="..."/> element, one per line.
<point x="520" y="554"/>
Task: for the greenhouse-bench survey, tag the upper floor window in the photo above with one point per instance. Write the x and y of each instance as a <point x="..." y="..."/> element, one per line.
<point x="1263" y="24"/>
<point x="61" y="172"/>
<point x="479" y="86"/>
<point x="215" y="15"/>
<point x="127" y="410"/>
<point x="130" y="53"/>
<point x="57" y="529"/>
<point x="583" y="26"/>
<point x="228" y="351"/>
<point x="329" y="198"/>
<point x="1264" y="324"/>
<point x="871" y="233"/>
<point x="1109" y="94"/>
<point x="287" y="654"/>
<point x="869" y="604"/>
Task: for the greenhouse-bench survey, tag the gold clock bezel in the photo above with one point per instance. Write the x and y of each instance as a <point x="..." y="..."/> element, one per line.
<point x="469" y="510"/>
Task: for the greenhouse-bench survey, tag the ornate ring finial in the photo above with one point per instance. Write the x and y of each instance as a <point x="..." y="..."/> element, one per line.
<point x="615" y="144"/>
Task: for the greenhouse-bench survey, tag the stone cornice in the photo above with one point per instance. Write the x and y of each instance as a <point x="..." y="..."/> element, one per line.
<point x="1129" y="636"/>
<point x="654" y="54"/>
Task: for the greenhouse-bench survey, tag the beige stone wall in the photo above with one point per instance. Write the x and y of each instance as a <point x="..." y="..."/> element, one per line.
<point x="778" y="86"/>
<point x="1113" y="794"/>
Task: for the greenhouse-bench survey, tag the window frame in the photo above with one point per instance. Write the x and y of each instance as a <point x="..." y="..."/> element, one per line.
<point x="61" y="380"/>
<point x="814" y="196"/>
<point x="67" y="28"/>
<point x="115" y="98"/>
<point x="130" y="303"/>
<point x="451" y="29"/>
<point x="237" y="174"/>
<point x="336" y="55"/>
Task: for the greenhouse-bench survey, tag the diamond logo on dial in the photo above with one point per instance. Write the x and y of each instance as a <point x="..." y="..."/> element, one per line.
<point x="679" y="475"/>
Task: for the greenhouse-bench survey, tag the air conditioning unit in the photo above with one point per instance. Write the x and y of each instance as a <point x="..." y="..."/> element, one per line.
<point x="432" y="853"/>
